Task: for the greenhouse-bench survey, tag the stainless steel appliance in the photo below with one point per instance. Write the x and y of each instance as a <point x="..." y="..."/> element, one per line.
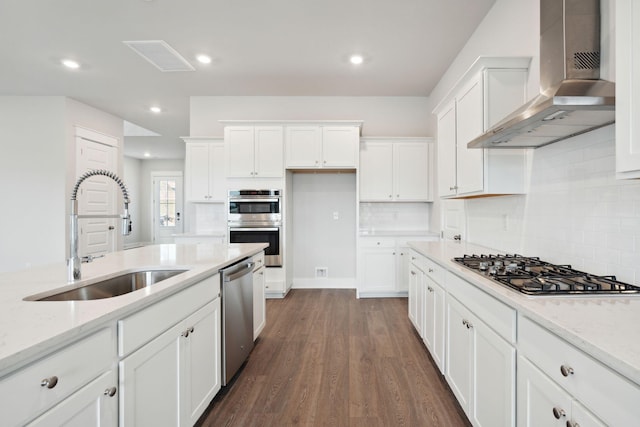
<point x="572" y="99"/>
<point x="255" y="216"/>
<point x="237" y="316"/>
<point x="533" y="276"/>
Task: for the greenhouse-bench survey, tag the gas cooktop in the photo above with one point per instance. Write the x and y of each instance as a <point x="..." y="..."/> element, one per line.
<point x="532" y="276"/>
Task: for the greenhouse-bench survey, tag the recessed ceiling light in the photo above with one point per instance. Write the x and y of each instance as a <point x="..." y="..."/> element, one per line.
<point x="147" y="154"/>
<point x="356" y="59"/>
<point x="70" y="63"/>
<point x="204" y="59"/>
<point x="155" y="109"/>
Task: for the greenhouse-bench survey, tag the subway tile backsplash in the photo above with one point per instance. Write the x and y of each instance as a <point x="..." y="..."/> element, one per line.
<point x="575" y="213"/>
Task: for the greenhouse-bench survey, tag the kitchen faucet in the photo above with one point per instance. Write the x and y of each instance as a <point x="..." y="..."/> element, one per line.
<point x="74" y="262"/>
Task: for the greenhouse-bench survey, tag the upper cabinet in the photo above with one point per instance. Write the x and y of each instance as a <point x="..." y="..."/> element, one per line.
<point x="322" y="146"/>
<point x="204" y="170"/>
<point x="254" y="151"/>
<point x="627" y="89"/>
<point x="491" y="89"/>
<point x="395" y="169"/>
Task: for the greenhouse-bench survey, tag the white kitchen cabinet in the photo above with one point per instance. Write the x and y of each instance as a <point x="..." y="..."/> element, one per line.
<point x="322" y="146"/>
<point x="627" y="89"/>
<point x="585" y="382"/>
<point x="492" y="88"/>
<point x="254" y="151"/>
<point x="204" y="171"/>
<point x="171" y="365"/>
<point x="433" y="330"/>
<point x="62" y="383"/>
<point x="480" y="368"/>
<point x="415" y="298"/>
<point x="94" y="405"/>
<point x="259" y="303"/>
<point x="395" y="170"/>
<point x="541" y="402"/>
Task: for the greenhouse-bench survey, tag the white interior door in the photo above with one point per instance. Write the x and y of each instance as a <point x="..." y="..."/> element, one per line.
<point x="167" y="205"/>
<point x="96" y="196"/>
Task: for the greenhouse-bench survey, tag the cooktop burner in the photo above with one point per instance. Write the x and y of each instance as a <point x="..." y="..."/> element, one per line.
<point x="532" y="276"/>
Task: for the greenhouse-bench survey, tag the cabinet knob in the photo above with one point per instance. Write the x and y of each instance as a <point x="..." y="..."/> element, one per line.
<point x="324" y="162"/>
<point x="397" y="196"/>
<point x="431" y="270"/>
<point x="429" y="288"/>
<point x="466" y="323"/>
<point x="559" y="413"/>
<point x="413" y="273"/>
<point x="50" y="382"/>
<point x="572" y="424"/>
<point x="566" y="370"/>
<point x="391" y="196"/>
<point x="111" y="391"/>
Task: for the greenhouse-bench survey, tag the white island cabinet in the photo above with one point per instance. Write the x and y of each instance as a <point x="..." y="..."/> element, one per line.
<point x="627" y="89"/>
<point x="491" y="89"/>
<point x="171" y="378"/>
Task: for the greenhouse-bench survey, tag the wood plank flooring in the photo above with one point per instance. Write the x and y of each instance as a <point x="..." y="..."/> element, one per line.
<point x="326" y="358"/>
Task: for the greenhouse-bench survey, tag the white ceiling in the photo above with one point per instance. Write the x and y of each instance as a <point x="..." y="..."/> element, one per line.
<point x="259" y="47"/>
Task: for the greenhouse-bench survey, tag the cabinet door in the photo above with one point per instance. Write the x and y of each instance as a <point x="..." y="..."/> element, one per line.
<point x="414" y="284"/>
<point x="92" y="405"/>
<point x="340" y="146"/>
<point x="411" y="172"/>
<point x="458" y="353"/>
<point x="581" y="417"/>
<point x="493" y="400"/>
<point x="376" y="171"/>
<point x="150" y="383"/>
<point x="239" y="149"/>
<point x="379" y="270"/>
<point x="201" y="363"/>
<point x="303" y="146"/>
<point x="469" y="124"/>
<point x="259" y="303"/>
<point x="269" y="151"/>
<point x="428" y="328"/>
<point x="447" y="151"/>
<point x="217" y="179"/>
<point x="403" y="260"/>
<point x="434" y="321"/>
<point x="197" y="172"/>
<point x="540" y="401"/>
<point x="627" y="88"/>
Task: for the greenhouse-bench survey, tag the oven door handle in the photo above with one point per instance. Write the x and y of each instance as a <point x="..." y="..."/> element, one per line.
<point x="253" y="200"/>
<point x="254" y="229"/>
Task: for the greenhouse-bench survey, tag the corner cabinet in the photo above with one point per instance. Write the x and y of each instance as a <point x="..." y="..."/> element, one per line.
<point x="491" y="89"/>
<point x="396" y="170"/>
<point x="627" y="89"/>
<point x="204" y="170"/>
<point x="254" y="151"/>
<point x="322" y="146"/>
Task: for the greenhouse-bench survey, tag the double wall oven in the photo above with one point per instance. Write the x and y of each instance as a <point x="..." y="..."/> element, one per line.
<point x="255" y="216"/>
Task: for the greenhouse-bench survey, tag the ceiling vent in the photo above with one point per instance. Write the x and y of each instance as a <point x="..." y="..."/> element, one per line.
<point x="160" y="54"/>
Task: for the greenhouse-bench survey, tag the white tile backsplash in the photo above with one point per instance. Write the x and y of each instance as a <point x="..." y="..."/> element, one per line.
<point x="575" y="213"/>
<point x="395" y="216"/>
<point x="209" y="217"/>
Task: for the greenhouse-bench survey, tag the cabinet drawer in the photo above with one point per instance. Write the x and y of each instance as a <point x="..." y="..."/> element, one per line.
<point x="67" y="371"/>
<point x="259" y="260"/>
<point x="607" y="394"/>
<point x="435" y="271"/>
<point x="372" y="242"/>
<point x="140" y="328"/>
<point x="500" y="317"/>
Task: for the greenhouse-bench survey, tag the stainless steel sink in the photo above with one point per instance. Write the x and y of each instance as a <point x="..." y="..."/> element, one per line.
<point x="112" y="287"/>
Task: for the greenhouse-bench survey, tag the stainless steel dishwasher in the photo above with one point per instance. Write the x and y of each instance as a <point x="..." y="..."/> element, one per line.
<point x="237" y="316"/>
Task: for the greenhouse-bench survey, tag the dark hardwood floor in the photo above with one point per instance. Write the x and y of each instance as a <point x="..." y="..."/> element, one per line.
<point x="327" y="358"/>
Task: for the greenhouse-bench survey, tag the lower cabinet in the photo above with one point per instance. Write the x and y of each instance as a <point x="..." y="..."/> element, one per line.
<point x="433" y="330"/>
<point x="171" y="380"/>
<point x="480" y="368"/>
<point x="415" y="298"/>
<point x="95" y="405"/>
<point x="259" y="303"/>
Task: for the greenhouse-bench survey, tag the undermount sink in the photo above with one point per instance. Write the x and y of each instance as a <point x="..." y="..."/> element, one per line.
<point x="112" y="287"/>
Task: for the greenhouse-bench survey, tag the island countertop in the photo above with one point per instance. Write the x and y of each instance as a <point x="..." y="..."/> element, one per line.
<point x="31" y="328"/>
<point x="605" y="327"/>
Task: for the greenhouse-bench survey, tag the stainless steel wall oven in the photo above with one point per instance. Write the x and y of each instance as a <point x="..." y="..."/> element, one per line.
<point x="255" y="216"/>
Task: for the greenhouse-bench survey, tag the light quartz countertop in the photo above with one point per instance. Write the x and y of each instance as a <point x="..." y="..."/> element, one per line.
<point x="30" y="329"/>
<point x="605" y="327"/>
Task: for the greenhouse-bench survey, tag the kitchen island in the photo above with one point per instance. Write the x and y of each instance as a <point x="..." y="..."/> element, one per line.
<point x="552" y="355"/>
<point x="105" y="337"/>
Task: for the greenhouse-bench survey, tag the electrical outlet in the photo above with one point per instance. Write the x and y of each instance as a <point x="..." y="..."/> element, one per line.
<point x="322" y="272"/>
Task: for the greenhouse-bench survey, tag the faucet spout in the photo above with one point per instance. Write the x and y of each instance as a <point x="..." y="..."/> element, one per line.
<point x="74" y="262"/>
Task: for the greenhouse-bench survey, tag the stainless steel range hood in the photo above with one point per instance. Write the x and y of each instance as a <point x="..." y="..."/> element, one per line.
<point x="573" y="99"/>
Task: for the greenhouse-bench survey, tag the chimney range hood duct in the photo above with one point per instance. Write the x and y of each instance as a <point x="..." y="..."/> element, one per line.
<point x="573" y="99"/>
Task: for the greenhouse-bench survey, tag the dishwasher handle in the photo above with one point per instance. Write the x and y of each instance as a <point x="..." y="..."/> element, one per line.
<point x="237" y="271"/>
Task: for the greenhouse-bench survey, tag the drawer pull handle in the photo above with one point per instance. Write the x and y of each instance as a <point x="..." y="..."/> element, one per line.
<point x="50" y="382"/>
<point x="566" y="370"/>
<point x="466" y="323"/>
<point x="558" y="413"/>
<point x="110" y="391"/>
<point x="431" y="270"/>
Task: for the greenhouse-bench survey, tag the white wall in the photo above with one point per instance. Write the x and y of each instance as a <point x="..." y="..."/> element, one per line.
<point x="132" y="168"/>
<point x="318" y="239"/>
<point x="383" y="116"/>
